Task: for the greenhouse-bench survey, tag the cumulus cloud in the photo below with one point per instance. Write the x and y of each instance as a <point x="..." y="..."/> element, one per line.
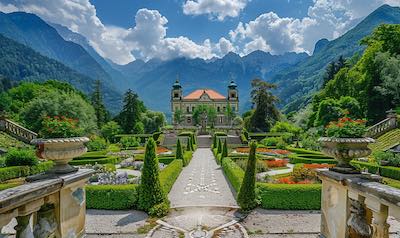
<point x="215" y="9"/>
<point x="326" y="19"/>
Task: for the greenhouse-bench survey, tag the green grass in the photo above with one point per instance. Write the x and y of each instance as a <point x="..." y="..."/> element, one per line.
<point x="386" y="141"/>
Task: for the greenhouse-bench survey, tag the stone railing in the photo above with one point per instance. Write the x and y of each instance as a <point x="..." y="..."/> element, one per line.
<point x="384" y="126"/>
<point x="356" y="205"/>
<point x="17" y="131"/>
<point x="49" y="208"/>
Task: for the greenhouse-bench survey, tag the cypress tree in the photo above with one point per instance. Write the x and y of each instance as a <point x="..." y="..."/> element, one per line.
<point x="224" y="150"/>
<point x="188" y="144"/>
<point x="247" y="193"/>
<point x="219" y="146"/>
<point x="100" y="110"/>
<point x="150" y="190"/>
<point x="214" y="144"/>
<point x="192" y="144"/>
<point x="179" y="152"/>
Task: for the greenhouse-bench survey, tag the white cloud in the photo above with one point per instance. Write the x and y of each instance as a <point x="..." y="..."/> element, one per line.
<point x="326" y="19"/>
<point x="216" y="9"/>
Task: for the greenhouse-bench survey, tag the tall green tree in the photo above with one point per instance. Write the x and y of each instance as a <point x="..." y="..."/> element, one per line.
<point x="178" y="116"/>
<point x="110" y="130"/>
<point x="150" y="190"/>
<point x="153" y="121"/>
<point x="230" y="114"/>
<point x="188" y="144"/>
<point x="219" y="151"/>
<point x="247" y="193"/>
<point x="100" y="110"/>
<point x="214" y="143"/>
<point x="265" y="113"/>
<point x="224" y="150"/>
<point x="131" y="112"/>
<point x="179" y="151"/>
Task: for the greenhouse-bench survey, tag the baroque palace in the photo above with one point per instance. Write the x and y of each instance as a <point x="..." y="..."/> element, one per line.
<point x="208" y="97"/>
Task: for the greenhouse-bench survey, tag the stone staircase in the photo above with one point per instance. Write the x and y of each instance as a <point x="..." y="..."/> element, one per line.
<point x="204" y="141"/>
<point x="17" y="131"/>
<point x="383" y="126"/>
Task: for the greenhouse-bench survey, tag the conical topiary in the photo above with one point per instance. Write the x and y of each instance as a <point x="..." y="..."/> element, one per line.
<point x="150" y="190"/>
<point x="192" y="144"/>
<point x="219" y="146"/>
<point x="224" y="150"/>
<point x="188" y="144"/>
<point x="214" y="144"/>
<point x="179" y="151"/>
<point x="247" y="193"/>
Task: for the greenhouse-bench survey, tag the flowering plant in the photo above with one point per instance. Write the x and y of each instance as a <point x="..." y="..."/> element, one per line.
<point x="346" y="127"/>
<point x="60" y="127"/>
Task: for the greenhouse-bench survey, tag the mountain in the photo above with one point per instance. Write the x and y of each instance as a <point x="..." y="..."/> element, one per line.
<point x="21" y="63"/>
<point x="297" y="84"/>
<point x="32" y="31"/>
<point x="117" y="77"/>
<point x="153" y="79"/>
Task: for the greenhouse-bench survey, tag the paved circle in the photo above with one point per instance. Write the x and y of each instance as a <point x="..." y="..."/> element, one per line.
<point x="202" y="183"/>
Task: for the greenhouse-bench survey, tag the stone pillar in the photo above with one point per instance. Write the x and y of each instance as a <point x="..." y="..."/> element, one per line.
<point x="334" y="205"/>
<point x="380" y="228"/>
<point x="71" y="210"/>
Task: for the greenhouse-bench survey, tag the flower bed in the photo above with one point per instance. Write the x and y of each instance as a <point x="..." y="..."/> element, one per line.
<point x="161" y="150"/>
<point x="276" y="163"/>
<point x="318" y="166"/>
<point x="262" y="150"/>
<point x="292" y="180"/>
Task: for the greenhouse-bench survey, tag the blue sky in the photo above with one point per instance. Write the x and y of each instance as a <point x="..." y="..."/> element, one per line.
<point x="126" y="30"/>
<point x="198" y="28"/>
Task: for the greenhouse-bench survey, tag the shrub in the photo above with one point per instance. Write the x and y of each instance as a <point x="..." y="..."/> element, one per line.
<point x="346" y="128"/>
<point x="169" y="175"/>
<point x="296" y="159"/>
<point x="189" y="144"/>
<point x="110" y="130"/>
<point x="179" y="151"/>
<point x="129" y="142"/>
<point x="290" y="196"/>
<point x="276" y="163"/>
<point x="159" y="210"/>
<point x="214" y="143"/>
<point x="234" y="173"/>
<point x="219" y="146"/>
<point x="303" y="151"/>
<point x="247" y="193"/>
<point x="150" y="190"/>
<point x="224" y="150"/>
<point x="96" y="143"/>
<point x="270" y="141"/>
<point x="187" y="157"/>
<point x="23" y="171"/>
<point x="261" y="166"/>
<point x="112" y="197"/>
<point x="281" y="144"/>
<point x="21" y="157"/>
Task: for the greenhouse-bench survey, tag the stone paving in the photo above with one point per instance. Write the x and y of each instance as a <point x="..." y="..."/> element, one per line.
<point x="202" y="183"/>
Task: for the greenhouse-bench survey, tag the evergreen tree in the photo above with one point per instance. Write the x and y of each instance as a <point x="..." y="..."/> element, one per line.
<point x="101" y="112"/>
<point x="214" y="143"/>
<point x="225" y="150"/>
<point x="219" y="146"/>
<point x="265" y="113"/>
<point x="131" y="112"/>
<point x="188" y="144"/>
<point x="179" y="151"/>
<point x="247" y="193"/>
<point x="150" y="190"/>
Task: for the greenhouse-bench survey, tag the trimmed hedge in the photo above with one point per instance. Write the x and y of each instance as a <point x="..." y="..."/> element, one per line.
<point x="234" y="173"/>
<point x="294" y="159"/>
<point x="93" y="155"/>
<point x="169" y="175"/>
<point x="23" y="171"/>
<point x="303" y="151"/>
<point x="112" y="197"/>
<point x="8" y="185"/>
<point x="187" y="156"/>
<point x="385" y="171"/>
<point x="118" y="197"/>
<point x="290" y="196"/>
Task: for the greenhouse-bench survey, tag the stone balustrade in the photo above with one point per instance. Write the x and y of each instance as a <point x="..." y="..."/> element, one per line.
<point x="356" y="205"/>
<point x="17" y="131"/>
<point x="48" y="208"/>
<point x="383" y="126"/>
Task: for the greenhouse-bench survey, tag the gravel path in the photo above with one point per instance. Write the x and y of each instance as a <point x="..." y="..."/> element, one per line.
<point x="202" y="183"/>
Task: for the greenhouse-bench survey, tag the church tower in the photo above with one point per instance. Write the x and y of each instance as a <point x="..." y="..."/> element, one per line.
<point x="233" y="96"/>
<point x="176" y="93"/>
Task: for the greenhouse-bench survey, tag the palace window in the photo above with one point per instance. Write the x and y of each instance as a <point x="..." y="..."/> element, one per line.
<point x="218" y="109"/>
<point x="233" y="95"/>
<point x="220" y="120"/>
<point x="233" y="108"/>
<point x="187" y="109"/>
<point x="176" y="95"/>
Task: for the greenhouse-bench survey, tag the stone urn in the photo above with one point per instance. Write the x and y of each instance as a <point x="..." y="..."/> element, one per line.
<point x="61" y="151"/>
<point x="344" y="150"/>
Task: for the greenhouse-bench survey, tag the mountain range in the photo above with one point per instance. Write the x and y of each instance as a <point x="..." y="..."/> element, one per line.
<point x="297" y="75"/>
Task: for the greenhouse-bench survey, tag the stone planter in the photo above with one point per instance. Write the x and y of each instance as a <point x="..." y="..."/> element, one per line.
<point x="344" y="150"/>
<point x="61" y="151"/>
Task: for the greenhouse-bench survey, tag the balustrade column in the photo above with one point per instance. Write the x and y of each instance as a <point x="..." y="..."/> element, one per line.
<point x="380" y="228"/>
<point x="23" y="227"/>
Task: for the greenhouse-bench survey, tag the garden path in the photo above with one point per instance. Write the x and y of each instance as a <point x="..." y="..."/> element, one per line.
<point x="202" y="183"/>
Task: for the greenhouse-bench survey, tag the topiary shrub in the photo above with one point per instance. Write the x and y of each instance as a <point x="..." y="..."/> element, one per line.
<point x="111" y="197"/>
<point x="129" y="142"/>
<point x="219" y="151"/>
<point x="188" y="144"/>
<point x="159" y="210"/>
<point x="179" y="151"/>
<point x="21" y="157"/>
<point x="224" y="150"/>
<point x="247" y="193"/>
<point x="150" y="189"/>
<point x="214" y="143"/>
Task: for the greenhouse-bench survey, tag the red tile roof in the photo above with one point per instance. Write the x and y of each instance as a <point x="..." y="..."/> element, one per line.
<point x="211" y="93"/>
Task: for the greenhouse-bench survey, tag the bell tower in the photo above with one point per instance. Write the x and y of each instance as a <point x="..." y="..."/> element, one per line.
<point x="176" y="93"/>
<point x="232" y="92"/>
